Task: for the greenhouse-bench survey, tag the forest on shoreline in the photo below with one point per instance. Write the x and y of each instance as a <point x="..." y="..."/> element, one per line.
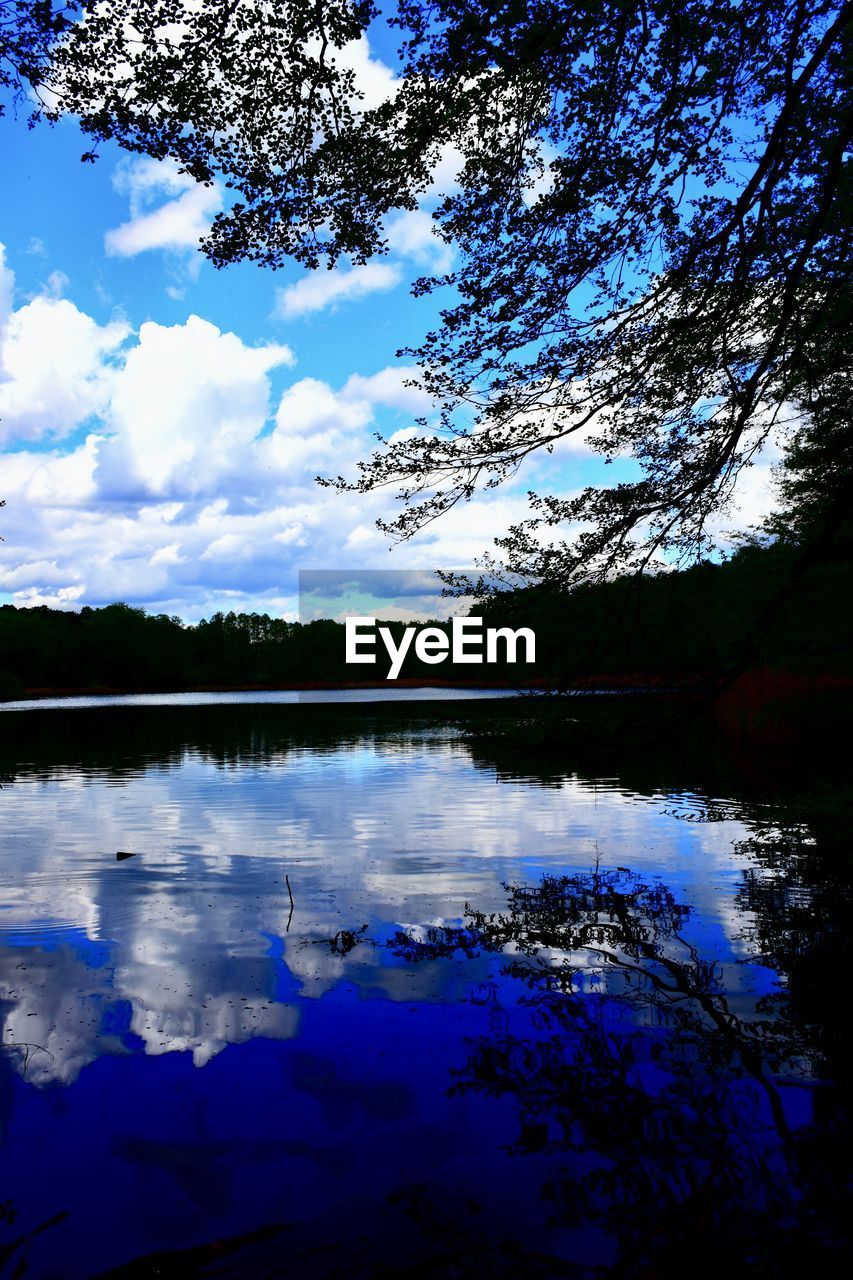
<point x="761" y="607"/>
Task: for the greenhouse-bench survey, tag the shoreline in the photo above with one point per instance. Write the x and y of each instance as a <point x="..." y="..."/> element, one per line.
<point x="627" y="684"/>
<point x="754" y="685"/>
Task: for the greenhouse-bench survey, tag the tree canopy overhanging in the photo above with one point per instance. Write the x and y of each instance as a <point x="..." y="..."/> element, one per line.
<point x="651" y="219"/>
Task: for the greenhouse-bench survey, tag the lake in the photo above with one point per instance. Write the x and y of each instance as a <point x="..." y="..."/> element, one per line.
<point x="304" y="991"/>
<point x="257" y="697"/>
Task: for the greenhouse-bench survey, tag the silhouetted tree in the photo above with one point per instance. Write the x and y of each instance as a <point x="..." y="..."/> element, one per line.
<point x="28" y="33"/>
<point x="651" y="216"/>
<point x="651" y="295"/>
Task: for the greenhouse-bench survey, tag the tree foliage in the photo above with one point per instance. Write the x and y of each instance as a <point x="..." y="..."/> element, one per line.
<point x="815" y="480"/>
<point x="28" y="33"/>
<point x="651" y="220"/>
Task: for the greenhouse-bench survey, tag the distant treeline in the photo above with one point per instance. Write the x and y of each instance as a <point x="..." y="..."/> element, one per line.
<point x="762" y="606"/>
<point x="778" y="605"/>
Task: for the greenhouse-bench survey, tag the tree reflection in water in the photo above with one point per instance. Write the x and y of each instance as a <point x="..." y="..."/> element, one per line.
<point x="674" y="1107"/>
<point x="684" y="1107"/>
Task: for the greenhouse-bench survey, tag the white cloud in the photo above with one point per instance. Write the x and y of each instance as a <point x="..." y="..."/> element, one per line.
<point x="292" y="536"/>
<point x="64" y="598"/>
<point x="194" y="490"/>
<point x="7" y="288"/>
<point x="320" y="289"/>
<point x="388" y="387"/>
<point x="58" y="480"/>
<point x="411" y="236"/>
<point x="179" y="224"/>
<point x="412" y="233"/>
<point x="543" y="183"/>
<point x="145" y="181"/>
<point x="375" y="82"/>
<point x="170" y="554"/>
<point x="444" y="178"/>
<point x="753" y="500"/>
<point x="186" y="407"/>
<point x="56" y="284"/>
<point x="176" y="225"/>
<point x="186" y="501"/>
<point x="364" y="535"/>
<point x="55" y="365"/>
<point x="34" y="573"/>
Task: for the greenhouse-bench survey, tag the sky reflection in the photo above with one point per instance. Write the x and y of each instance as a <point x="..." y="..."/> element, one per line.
<point x="387" y="834"/>
<point x="279" y="1059"/>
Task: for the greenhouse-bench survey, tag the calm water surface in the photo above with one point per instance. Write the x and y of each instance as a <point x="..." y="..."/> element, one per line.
<point x="371" y="1001"/>
<point x="257" y="697"/>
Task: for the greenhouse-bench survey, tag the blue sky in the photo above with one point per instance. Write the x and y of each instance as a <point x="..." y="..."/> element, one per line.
<point x="162" y="422"/>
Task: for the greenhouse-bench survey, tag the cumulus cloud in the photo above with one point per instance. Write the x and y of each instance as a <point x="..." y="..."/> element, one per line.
<point x="179" y="224"/>
<point x="413" y="234"/>
<point x="176" y="225"/>
<point x="321" y="289"/>
<point x="195" y="488"/>
<point x="755" y="498"/>
<point x="188" y="403"/>
<point x="56" y="366"/>
<point x="411" y="238"/>
<point x="374" y="82"/>
<point x="144" y="512"/>
<point x="391" y="387"/>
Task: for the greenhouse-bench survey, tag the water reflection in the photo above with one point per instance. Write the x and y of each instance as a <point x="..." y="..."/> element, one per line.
<point x="683" y="1103"/>
<point x="362" y="999"/>
<point x="258" y="697"/>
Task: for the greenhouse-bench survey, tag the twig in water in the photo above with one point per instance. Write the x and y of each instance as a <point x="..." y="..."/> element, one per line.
<point x="290" y="893"/>
<point x="26" y="1046"/>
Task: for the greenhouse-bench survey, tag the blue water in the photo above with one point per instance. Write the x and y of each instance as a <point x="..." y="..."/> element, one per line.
<point x="375" y="1004"/>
